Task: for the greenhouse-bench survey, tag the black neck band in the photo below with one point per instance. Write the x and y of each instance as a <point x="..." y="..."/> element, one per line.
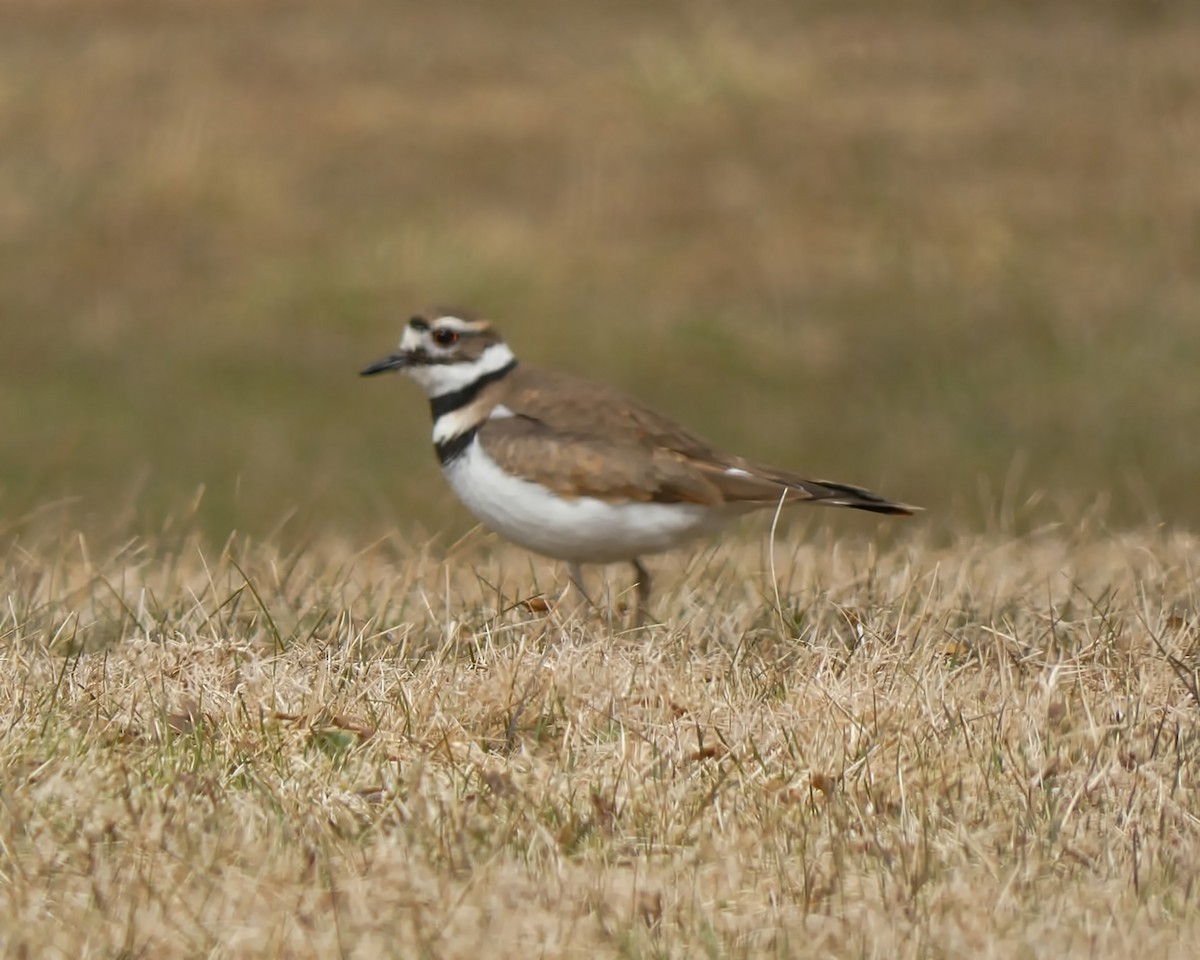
<point x="455" y="447"/>
<point x="449" y="402"/>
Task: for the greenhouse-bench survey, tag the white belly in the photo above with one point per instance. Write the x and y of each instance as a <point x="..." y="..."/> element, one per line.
<point x="577" y="529"/>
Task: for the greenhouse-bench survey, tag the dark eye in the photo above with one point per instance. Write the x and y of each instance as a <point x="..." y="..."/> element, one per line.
<point x="445" y="337"/>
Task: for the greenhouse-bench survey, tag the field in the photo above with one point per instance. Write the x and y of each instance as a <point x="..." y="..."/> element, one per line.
<point x="983" y="750"/>
<point x="264" y="691"/>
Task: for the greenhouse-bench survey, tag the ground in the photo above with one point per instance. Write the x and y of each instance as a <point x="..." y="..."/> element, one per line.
<point x="822" y="750"/>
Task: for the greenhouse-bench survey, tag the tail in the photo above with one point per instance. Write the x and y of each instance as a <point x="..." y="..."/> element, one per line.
<point x="746" y="485"/>
<point x="843" y="495"/>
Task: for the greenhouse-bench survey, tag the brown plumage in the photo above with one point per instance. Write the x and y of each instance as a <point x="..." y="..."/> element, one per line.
<point x="582" y="438"/>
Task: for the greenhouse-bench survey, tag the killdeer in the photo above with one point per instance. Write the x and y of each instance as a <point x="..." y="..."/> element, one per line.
<point x="576" y="470"/>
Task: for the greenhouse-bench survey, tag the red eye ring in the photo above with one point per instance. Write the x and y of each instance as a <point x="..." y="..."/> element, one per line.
<point x="444" y="337"/>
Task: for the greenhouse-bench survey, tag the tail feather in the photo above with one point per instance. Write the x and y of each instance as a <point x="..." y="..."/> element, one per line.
<point x="747" y="485"/>
<point x="843" y="495"/>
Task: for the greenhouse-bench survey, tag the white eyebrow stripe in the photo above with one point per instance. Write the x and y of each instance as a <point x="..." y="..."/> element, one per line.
<point x="458" y="325"/>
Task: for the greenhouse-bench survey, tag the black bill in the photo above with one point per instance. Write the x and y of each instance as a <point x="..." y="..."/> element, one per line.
<point x="395" y="362"/>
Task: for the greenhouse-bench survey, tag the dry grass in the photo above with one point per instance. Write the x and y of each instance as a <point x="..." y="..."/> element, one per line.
<point x="988" y="749"/>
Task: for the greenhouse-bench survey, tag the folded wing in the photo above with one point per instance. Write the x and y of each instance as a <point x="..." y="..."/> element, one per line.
<point x="585" y="438"/>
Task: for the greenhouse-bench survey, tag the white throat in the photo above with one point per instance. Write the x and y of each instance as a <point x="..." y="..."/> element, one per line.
<point x="438" y="379"/>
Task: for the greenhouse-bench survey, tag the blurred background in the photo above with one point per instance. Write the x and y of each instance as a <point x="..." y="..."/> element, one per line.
<point x="949" y="250"/>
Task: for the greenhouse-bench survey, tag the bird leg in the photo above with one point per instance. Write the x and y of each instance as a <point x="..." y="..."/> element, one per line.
<point x="642" y="610"/>
<point x="575" y="574"/>
<point x="643" y="593"/>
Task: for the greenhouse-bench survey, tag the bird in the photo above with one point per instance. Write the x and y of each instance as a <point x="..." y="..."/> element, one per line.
<point x="574" y="469"/>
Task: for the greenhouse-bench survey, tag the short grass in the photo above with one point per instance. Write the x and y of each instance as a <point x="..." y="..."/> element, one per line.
<point x="986" y="749"/>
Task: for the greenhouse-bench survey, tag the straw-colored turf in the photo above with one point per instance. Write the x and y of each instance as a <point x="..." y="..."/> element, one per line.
<point x="987" y="749"/>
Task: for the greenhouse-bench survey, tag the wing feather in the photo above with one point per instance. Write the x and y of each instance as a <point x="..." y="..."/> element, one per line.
<point x="574" y="465"/>
<point x="588" y="438"/>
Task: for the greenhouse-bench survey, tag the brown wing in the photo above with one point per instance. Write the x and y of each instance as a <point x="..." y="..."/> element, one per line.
<point x="582" y="408"/>
<point x="591" y="436"/>
<point x="579" y="465"/>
